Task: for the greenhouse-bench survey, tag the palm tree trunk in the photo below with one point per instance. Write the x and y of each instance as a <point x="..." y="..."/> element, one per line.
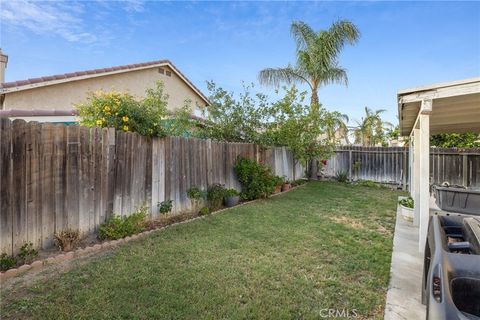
<point x="314" y="109"/>
<point x="314" y="104"/>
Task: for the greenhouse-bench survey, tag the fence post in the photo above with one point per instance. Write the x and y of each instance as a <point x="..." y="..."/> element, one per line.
<point x="350" y="165"/>
<point x="465" y="170"/>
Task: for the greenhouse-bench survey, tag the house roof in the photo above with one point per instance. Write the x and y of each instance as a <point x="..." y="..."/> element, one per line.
<point x="20" y="85"/>
<point x="455" y="107"/>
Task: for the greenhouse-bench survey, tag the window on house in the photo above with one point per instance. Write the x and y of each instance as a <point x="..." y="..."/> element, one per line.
<point x="160" y="70"/>
<point x="168" y="73"/>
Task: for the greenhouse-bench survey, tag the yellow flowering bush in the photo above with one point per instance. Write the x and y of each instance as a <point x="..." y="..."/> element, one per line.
<point x="122" y="112"/>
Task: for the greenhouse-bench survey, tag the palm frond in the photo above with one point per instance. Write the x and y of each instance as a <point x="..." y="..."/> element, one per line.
<point x="276" y="76"/>
<point x="303" y="34"/>
<point x="334" y="75"/>
<point x="344" y="31"/>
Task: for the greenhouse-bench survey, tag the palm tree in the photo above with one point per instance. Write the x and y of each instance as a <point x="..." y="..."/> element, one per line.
<point x="371" y="129"/>
<point x="317" y="58"/>
<point x="336" y="124"/>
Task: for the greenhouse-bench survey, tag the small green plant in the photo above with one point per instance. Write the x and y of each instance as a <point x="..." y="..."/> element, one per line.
<point x="194" y="193"/>
<point x="165" y="207"/>
<point x="231" y="193"/>
<point x="279" y="180"/>
<point x="341" y="176"/>
<point x="204" y="211"/>
<point x="67" y="239"/>
<point x="120" y="227"/>
<point x="407" y="202"/>
<point x="215" y="195"/>
<point x="7" y="262"/>
<point x="27" y="253"/>
<point x="256" y="179"/>
<point x="196" y="196"/>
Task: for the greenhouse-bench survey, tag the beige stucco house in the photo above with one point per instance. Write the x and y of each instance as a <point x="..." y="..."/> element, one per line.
<point x="53" y="98"/>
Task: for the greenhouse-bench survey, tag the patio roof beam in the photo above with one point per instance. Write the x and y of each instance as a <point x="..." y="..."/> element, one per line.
<point x="439" y="93"/>
<point x="456" y="106"/>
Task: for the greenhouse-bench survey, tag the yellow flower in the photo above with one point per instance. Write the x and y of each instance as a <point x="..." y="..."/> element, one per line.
<point x="99" y="122"/>
<point x="125" y="128"/>
<point x="116" y="113"/>
<point x="125" y="119"/>
<point x="106" y="109"/>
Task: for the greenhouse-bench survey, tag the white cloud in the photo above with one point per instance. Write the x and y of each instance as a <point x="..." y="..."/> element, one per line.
<point x="63" y="19"/>
<point x="55" y="18"/>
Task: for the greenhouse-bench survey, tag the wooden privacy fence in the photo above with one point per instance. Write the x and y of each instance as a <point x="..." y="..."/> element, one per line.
<point x="386" y="165"/>
<point x="54" y="177"/>
<point x="456" y="167"/>
<point x="391" y="165"/>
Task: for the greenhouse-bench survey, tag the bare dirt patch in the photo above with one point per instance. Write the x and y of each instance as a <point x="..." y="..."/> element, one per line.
<point x="349" y="222"/>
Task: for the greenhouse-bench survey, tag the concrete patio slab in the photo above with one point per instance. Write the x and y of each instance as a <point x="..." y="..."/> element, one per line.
<point x="404" y="295"/>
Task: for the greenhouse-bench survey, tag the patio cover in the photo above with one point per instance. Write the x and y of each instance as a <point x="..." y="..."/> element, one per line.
<point x="452" y="107"/>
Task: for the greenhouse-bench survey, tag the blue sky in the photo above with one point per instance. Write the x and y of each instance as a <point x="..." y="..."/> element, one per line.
<point x="403" y="44"/>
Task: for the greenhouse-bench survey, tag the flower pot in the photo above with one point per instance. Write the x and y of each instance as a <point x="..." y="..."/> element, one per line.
<point x="67" y="246"/>
<point x="278" y="189"/>
<point x="232" y="201"/>
<point x="286" y="187"/>
<point x="407" y="213"/>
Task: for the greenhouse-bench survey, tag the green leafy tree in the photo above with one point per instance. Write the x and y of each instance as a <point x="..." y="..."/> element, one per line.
<point x="294" y="125"/>
<point x="235" y="120"/>
<point x="317" y="58"/>
<point x="287" y="122"/>
<point x="456" y="140"/>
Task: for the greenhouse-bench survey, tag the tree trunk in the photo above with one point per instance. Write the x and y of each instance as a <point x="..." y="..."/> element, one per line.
<point x="313" y="168"/>
<point x="314" y="104"/>
<point x="314" y="109"/>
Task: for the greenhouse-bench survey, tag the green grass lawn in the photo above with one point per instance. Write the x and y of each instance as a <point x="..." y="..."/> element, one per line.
<point x="324" y="245"/>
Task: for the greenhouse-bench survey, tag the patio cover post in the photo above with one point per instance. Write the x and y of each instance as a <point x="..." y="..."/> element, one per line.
<point x="416" y="174"/>
<point x="424" y="170"/>
<point x="410" y="166"/>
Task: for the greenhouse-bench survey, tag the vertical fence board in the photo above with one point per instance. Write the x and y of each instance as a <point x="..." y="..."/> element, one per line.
<point x="60" y="177"/>
<point x="84" y="198"/>
<point x="72" y="173"/>
<point x="19" y="223"/>
<point x="47" y="185"/>
<point x="6" y="187"/>
<point x="34" y="202"/>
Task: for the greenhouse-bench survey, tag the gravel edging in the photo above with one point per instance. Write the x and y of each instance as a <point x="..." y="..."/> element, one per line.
<point x="81" y="252"/>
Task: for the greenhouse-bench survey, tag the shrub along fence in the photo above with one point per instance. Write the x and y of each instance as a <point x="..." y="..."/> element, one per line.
<point x="390" y="165"/>
<point x="55" y="176"/>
